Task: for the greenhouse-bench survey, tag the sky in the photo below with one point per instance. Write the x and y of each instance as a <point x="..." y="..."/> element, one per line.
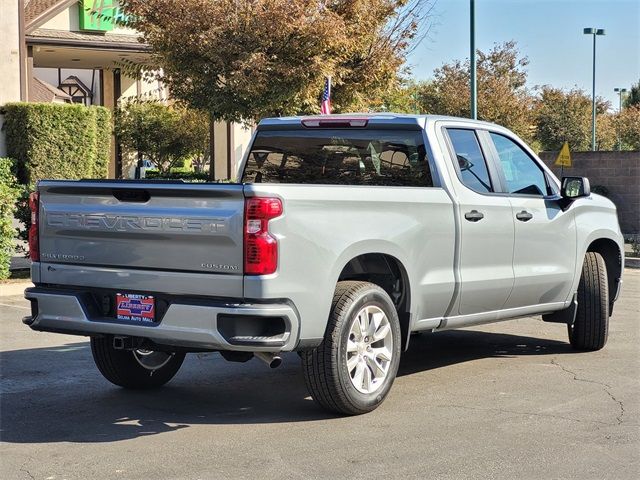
<point x="549" y="33"/>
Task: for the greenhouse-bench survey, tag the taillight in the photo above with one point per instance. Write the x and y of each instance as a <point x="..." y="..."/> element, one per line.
<point x="34" y="244"/>
<point x="260" y="247"/>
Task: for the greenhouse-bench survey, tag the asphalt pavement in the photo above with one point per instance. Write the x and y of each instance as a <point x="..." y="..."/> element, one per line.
<point x="504" y="401"/>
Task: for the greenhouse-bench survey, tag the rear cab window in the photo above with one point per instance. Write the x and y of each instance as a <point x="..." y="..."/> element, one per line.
<point x="472" y="165"/>
<point x="339" y="156"/>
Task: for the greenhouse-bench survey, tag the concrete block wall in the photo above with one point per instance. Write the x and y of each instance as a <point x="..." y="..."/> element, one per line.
<point x="619" y="172"/>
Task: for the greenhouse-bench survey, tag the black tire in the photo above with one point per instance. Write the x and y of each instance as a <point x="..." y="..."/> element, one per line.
<point x="325" y="367"/>
<point x="121" y="368"/>
<point x="591" y="326"/>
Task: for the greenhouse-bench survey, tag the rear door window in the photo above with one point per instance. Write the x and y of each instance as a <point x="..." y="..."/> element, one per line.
<point x="339" y="157"/>
<point x="471" y="162"/>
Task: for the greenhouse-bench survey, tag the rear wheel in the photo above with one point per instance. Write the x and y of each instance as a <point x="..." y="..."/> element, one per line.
<point x="136" y="369"/>
<point x="591" y="326"/>
<point x="353" y="369"/>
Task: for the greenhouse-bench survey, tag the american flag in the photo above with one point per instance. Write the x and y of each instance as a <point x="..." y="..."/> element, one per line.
<point x="325" y="106"/>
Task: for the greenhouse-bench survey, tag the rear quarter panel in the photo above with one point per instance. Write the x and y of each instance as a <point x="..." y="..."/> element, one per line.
<point x="324" y="226"/>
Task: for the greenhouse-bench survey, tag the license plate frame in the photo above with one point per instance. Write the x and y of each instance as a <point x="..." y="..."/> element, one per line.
<point x="135" y="308"/>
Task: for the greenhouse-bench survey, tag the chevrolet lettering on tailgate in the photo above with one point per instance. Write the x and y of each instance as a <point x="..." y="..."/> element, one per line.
<point x="134" y="223"/>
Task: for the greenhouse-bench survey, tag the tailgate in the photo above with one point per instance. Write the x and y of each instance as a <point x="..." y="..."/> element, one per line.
<point x="151" y="226"/>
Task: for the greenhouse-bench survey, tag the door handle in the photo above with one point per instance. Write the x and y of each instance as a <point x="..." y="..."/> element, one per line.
<point x="474" y="216"/>
<point x="524" y="216"/>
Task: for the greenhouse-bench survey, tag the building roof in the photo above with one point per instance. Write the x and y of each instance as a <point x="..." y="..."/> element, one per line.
<point x="37" y="12"/>
<point x="45" y="92"/>
<point x="73" y="81"/>
<point x="35" y="8"/>
<point x="46" y="36"/>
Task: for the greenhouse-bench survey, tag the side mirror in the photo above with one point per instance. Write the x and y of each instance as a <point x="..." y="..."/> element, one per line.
<point x="575" y="187"/>
<point x="463" y="163"/>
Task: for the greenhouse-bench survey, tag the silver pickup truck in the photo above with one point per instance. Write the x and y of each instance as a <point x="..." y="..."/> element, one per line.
<point x="345" y="235"/>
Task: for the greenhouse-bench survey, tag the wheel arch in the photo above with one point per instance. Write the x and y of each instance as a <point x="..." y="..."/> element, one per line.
<point x="610" y="252"/>
<point x="388" y="272"/>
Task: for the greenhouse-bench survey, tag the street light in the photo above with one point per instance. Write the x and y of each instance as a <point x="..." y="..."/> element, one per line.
<point x="620" y="91"/>
<point x="595" y="32"/>
<point x="473" y="84"/>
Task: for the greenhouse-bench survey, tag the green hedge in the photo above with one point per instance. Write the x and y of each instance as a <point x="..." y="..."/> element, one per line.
<point x="104" y="129"/>
<point x="9" y="191"/>
<point x="55" y="141"/>
<point x="179" y="173"/>
<point x="52" y="140"/>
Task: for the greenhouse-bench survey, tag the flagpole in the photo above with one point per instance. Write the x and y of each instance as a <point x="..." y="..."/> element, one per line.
<point x="329" y="86"/>
<point x="325" y="103"/>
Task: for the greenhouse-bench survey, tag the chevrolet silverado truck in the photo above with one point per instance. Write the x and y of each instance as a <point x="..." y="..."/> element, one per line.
<point x="343" y="236"/>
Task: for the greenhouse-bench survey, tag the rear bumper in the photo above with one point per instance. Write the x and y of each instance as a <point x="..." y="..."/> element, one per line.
<point x="189" y="325"/>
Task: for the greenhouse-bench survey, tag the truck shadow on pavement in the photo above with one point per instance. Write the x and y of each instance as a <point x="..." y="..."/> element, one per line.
<point x="56" y="394"/>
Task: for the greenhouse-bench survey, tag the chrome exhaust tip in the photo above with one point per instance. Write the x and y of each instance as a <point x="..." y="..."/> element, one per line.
<point x="273" y="360"/>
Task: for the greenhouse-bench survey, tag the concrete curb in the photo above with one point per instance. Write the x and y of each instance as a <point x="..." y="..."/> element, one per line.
<point x="17" y="288"/>
<point x="632" y="262"/>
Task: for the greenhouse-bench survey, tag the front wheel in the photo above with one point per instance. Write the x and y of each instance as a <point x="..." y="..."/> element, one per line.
<point x="135" y="369"/>
<point x="353" y="369"/>
<point x="591" y="326"/>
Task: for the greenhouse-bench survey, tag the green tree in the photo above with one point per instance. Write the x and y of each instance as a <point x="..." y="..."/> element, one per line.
<point x="9" y="191"/>
<point x="245" y="59"/>
<point x="606" y="133"/>
<point x="163" y="134"/>
<point x="193" y="131"/>
<point x="628" y="124"/>
<point x="403" y="97"/>
<point x="566" y="116"/>
<point x="633" y="97"/>
<point x="503" y="97"/>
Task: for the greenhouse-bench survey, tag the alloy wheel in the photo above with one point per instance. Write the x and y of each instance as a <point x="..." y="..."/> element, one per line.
<point x="369" y="349"/>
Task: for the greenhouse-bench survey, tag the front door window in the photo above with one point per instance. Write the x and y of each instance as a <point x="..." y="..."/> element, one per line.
<point x="522" y="174"/>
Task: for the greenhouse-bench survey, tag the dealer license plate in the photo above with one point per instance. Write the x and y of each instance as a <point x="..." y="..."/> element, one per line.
<point x="133" y="307"/>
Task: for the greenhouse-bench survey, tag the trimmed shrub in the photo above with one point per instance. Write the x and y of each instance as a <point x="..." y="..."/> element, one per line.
<point x="183" y="164"/>
<point x="177" y="174"/>
<point x="104" y="129"/>
<point x="23" y="213"/>
<point x="55" y="141"/>
<point x="9" y="191"/>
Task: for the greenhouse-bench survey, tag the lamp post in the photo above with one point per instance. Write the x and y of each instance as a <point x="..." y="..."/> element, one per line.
<point x="619" y="91"/>
<point x="595" y="32"/>
<point x="472" y="61"/>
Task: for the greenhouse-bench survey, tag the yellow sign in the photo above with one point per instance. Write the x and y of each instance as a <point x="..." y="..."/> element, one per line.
<point x="564" y="157"/>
